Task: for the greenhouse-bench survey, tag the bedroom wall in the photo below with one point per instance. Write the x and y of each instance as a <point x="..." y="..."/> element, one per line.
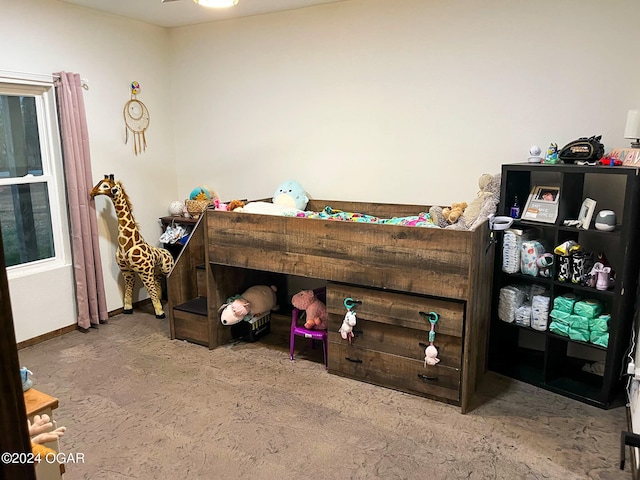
<point x="44" y="36"/>
<point x="405" y="102"/>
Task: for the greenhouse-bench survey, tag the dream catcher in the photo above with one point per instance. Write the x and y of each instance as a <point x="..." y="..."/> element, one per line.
<point x="136" y="119"/>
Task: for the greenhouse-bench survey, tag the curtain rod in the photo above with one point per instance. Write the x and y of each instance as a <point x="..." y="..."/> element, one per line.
<point x="8" y="73"/>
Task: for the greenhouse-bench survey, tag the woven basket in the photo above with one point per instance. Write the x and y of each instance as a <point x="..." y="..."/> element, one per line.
<point x="197" y="207"/>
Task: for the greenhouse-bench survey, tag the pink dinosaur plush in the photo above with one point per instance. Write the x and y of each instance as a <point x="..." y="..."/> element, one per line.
<point x="317" y="317"/>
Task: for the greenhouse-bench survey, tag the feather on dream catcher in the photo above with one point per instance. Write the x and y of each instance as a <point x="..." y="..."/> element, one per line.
<point x="136" y="119"/>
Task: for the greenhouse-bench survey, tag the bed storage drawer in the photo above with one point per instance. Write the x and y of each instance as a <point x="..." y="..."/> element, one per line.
<point x="391" y="334"/>
<point x="394" y="371"/>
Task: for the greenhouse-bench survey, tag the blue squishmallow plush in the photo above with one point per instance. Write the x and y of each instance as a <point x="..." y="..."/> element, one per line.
<point x="291" y="194"/>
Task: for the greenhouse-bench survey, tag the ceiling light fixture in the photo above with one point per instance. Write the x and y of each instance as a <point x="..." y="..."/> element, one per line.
<point x="217" y="3"/>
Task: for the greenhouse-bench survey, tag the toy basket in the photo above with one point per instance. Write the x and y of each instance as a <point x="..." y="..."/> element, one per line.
<point x="252" y="330"/>
<point x="197" y="207"/>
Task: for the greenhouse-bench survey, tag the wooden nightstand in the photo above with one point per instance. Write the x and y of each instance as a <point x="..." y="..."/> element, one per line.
<point x="38" y="403"/>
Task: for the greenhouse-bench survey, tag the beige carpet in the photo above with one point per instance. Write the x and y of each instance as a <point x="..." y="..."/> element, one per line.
<point x="140" y="406"/>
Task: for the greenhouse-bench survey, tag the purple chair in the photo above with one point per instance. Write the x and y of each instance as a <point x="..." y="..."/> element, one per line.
<point x="312" y="335"/>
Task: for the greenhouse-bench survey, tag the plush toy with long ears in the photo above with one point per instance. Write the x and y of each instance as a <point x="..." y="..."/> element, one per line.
<point x="255" y="301"/>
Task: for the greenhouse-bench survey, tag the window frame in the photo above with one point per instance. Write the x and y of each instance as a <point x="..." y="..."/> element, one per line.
<point x="41" y="87"/>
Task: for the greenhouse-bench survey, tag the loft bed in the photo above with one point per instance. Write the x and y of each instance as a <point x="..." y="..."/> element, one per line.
<point x="396" y="267"/>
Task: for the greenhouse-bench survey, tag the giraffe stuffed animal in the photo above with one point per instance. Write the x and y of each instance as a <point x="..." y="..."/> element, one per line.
<point x="134" y="255"/>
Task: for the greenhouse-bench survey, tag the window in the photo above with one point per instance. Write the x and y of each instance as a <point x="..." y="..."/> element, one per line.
<point x="31" y="183"/>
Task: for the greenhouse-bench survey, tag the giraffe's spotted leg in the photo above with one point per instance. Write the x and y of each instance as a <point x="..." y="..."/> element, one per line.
<point x="129" y="282"/>
<point x="150" y="284"/>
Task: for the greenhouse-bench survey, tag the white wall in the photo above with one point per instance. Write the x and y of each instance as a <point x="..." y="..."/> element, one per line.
<point x="374" y="100"/>
<point x="404" y="102"/>
<point x="45" y="36"/>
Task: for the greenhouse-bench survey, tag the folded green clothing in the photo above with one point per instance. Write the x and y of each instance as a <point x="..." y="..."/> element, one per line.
<point x="588" y="308"/>
<point x="559" y="328"/>
<point x="565" y="303"/>
<point x="600" y="324"/>
<point x="598" y="338"/>
<point x="559" y="315"/>
<point x="579" y="334"/>
<point x="578" y="321"/>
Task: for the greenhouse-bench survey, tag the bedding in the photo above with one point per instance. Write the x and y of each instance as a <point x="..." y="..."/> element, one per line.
<point x="423" y="219"/>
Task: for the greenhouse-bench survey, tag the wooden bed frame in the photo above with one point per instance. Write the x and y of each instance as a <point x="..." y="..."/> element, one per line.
<point x="400" y="270"/>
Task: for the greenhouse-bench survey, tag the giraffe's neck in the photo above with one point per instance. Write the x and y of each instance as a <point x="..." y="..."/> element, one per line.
<point x="128" y="233"/>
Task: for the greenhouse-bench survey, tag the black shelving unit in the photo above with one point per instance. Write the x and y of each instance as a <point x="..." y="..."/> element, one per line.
<point x="543" y="358"/>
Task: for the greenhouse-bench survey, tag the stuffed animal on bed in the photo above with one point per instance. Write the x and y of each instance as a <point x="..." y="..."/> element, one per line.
<point x="452" y="214"/>
<point x="254" y="302"/>
<point x="478" y="210"/>
<point x="316" y="311"/>
<point x="291" y="194"/>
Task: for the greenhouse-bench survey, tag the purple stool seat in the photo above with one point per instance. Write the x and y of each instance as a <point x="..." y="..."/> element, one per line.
<point x="300" y="331"/>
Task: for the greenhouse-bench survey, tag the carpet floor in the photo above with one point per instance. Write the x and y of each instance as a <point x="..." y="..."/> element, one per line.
<point x="141" y="406"/>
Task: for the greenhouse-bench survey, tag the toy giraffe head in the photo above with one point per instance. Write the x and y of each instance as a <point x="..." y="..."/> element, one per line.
<point x="128" y="232"/>
<point x="109" y="187"/>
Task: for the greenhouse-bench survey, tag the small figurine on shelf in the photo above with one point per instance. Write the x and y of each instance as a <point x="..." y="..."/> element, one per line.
<point x="552" y="154"/>
<point x="535" y="154"/>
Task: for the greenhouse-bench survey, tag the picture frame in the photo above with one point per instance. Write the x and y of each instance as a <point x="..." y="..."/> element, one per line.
<point x="586" y="213"/>
<point x="542" y="204"/>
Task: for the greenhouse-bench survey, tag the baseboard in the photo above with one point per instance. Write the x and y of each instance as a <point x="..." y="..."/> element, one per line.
<point x="71" y="328"/>
<point x="47" y="336"/>
<point x="141" y="303"/>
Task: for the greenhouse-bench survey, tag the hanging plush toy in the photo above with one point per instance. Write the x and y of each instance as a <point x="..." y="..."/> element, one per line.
<point x="346" y="329"/>
<point x="431" y="352"/>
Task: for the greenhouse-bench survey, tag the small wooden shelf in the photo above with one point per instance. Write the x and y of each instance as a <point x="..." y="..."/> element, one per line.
<point x="37" y="402"/>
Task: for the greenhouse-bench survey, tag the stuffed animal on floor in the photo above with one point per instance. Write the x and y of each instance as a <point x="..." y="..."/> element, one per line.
<point x="254" y="302"/>
<point x="478" y="210"/>
<point x="316" y="311"/>
<point x="291" y="194"/>
<point x="452" y="214"/>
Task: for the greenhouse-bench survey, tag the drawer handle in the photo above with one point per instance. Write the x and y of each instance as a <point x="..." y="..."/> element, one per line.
<point x="427" y="378"/>
<point x="353" y="360"/>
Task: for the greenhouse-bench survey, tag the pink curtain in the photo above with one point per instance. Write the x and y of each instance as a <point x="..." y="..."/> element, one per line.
<point x="87" y="266"/>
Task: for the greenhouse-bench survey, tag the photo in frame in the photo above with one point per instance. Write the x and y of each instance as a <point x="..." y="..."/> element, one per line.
<point x="542" y="204"/>
<point x="586" y="213"/>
